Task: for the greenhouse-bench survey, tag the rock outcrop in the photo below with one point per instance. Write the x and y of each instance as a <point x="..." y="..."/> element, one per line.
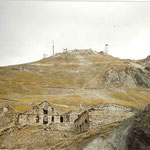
<point x="129" y="77"/>
<point x="142" y="79"/>
<point x="139" y="137"/>
<point x="147" y="60"/>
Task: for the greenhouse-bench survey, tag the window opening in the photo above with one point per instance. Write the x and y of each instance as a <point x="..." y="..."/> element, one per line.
<point x="45" y="120"/>
<point x="45" y="112"/>
<point x="86" y="121"/>
<point x="52" y="118"/>
<point x="37" y="119"/>
<point x="61" y="119"/>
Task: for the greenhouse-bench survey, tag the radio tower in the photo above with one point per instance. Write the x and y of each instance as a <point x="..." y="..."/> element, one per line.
<point x="106" y="48"/>
<point x="53" y="47"/>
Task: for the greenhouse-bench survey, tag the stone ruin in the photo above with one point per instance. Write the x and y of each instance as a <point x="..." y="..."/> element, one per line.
<point x="82" y="122"/>
<point x="41" y="114"/>
<point x="45" y="114"/>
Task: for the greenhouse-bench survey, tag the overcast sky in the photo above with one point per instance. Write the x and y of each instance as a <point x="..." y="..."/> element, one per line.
<point x="27" y="28"/>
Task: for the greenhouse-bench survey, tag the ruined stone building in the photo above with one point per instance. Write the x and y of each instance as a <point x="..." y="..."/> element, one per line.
<point x="41" y="114"/>
<point x="82" y="122"/>
<point x="45" y="114"/>
<point x="104" y="114"/>
<point x="78" y="121"/>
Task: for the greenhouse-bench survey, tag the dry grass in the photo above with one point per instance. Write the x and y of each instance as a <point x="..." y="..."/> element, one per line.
<point x="72" y="101"/>
<point x="129" y="103"/>
<point x="66" y="80"/>
<point x="22" y="108"/>
<point x="132" y="97"/>
<point x="27" y="77"/>
<point x="93" y="102"/>
<point x="30" y="99"/>
<point x="120" y="96"/>
<point x="3" y="92"/>
<point x="64" y="109"/>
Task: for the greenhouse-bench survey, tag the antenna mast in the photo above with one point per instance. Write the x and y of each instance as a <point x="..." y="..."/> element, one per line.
<point x="53" y="47"/>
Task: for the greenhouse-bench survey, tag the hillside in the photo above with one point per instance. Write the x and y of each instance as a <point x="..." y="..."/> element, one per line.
<point x="114" y="93"/>
<point x="76" y="78"/>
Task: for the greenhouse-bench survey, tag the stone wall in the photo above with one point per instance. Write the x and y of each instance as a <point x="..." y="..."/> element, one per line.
<point x="73" y="115"/>
<point x="32" y="119"/>
<point x="106" y="116"/>
<point x="43" y="108"/>
<point x="82" y="122"/>
<point x="63" y="126"/>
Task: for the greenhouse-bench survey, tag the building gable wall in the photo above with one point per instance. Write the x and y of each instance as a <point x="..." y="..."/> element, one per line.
<point x="82" y="122"/>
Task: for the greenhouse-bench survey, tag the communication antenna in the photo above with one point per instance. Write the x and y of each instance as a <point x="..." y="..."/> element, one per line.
<point x="106" y="48"/>
<point x="53" y="47"/>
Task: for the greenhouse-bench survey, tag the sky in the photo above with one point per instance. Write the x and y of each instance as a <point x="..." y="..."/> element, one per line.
<point x="27" y="29"/>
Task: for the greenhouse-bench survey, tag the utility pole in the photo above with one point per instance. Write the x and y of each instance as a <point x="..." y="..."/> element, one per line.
<point x="53" y="48"/>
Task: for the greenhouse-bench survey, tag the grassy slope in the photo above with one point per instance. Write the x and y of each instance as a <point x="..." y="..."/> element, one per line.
<point x="60" y="80"/>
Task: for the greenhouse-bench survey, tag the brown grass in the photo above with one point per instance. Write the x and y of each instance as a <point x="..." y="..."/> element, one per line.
<point x="22" y="107"/>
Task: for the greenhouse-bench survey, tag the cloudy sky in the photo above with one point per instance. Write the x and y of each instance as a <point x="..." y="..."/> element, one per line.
<point x="27" y="28"/>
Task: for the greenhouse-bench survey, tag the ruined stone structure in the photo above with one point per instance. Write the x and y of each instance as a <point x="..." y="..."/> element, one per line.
<point x="104" y="114"/>
<point x="95" y="117"/>
<point x="82" y="122"/>
<point x="76" y="121"/>
<point x="45" y="114"/>
<point x="41" y="114"/>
